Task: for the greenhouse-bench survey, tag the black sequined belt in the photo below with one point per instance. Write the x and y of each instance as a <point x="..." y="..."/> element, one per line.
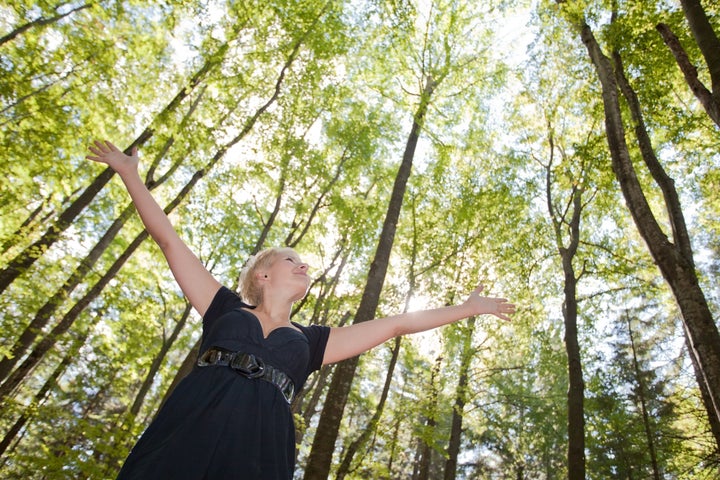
<point x="249" y="366"/>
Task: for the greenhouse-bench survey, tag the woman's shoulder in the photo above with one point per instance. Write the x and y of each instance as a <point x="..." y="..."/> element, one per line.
<point x="225" y="299"/>
<point x="317" y="335"/>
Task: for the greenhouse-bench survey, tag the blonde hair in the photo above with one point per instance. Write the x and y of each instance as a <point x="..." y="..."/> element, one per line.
<point x="250" y="290"/>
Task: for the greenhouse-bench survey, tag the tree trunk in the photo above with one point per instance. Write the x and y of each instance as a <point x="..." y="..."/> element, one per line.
<point x="681" y="237"/>
<point x="424" y="452"/>
<point x="707" y="99"/>
<point x="394" y="447"/>
<point x="46" y="311"/>
<point x="130" y="418"/>
<point x="309" y="407"/>
<point x="29" y="225"/>
<point x="297" y="233"/>
<point x="453" y="449"/>
<point x="77" y="437"/>
<point x="158" y="361"/>
<point x="25" y="259"/>
<point x="643" y="402"/>
<point x="371" y="427"/>
<point x="318" y="466"/>
<point x="576" y="387"/>
<point x="576" y="383"/>
<point x="677" y="269"/>
<point x="706" y="39"/>
<point x="709" y="44"/>
<point x="43" y="315"/>
<point x="354" y="446"/>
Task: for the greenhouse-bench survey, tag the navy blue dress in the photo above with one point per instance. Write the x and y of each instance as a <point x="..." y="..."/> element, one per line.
<point x="218" y="424"/>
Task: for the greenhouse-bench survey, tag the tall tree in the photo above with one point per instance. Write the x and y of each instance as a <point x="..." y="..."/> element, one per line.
<point x="425" y="444"/>
<point x="566" y="225"/>
<point x="370" y="429"/>
<point x="41" y="394"/>
<point x="674" y="258"/>
<point x="441" y="54"/>
<point x="461" y="396"/>
<point x="318" y="466"/>
<point x="632" y="393"/>
<point x="642" y="397"/>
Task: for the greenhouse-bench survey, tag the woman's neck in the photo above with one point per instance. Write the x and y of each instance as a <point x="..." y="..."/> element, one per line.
<point x="273" y="313"/>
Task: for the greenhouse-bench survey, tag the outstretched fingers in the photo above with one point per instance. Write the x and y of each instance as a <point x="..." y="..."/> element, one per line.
<point x="100" y="149"/>
<point x="500" y="307"/>
<point x="504" y="308"/>
<point x="106" y="152"/>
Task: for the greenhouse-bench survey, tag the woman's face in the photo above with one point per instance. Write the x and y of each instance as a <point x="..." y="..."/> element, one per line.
<point x="287" y="272"/>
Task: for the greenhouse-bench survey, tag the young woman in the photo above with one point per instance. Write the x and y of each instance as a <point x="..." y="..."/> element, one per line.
<point x="230" y="417"/>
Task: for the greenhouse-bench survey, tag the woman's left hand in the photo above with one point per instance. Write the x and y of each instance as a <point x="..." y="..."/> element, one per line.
<point x="500" y="307"/>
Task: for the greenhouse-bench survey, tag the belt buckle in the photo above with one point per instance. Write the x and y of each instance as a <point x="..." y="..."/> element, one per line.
<point x="248" y="365"/>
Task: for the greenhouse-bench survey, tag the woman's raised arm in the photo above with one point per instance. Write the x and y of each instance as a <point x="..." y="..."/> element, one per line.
<point x="352" y="340"/>
<point x="198" y="285"/>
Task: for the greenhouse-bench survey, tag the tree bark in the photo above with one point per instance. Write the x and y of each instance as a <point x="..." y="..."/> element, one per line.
<point x="677" y="269"/>
<point x="424" y="451"/>
<point x="453" y="449"/>
<point x="643" y="402"/>
<point x="318" y="466"/>
<point x="706" y="39"/>
<point x="43" y="315"/>
<point x="297" y="234"/>
<point x="576" y="387"/>
<point x="707" y="99"/>
<point x="33" y="221"/>
<point x="308" y="409"/>
<point x="576" y="383"/>
<point x="355" y="445"/>
<point x="371" y="427"/>
<point x="158" y="361"/>
<point x="19" y="374"/>
<point x="680" y="235"/>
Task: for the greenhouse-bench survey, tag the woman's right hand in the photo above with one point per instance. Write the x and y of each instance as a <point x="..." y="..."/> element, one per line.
<point x="106" y="152"/>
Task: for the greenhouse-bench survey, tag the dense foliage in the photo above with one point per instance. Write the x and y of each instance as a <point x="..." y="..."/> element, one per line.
<point x="283" y="122"/>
